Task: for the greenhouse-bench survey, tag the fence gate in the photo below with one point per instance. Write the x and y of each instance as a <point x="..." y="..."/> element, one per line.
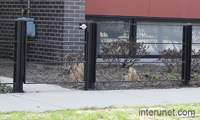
<point x="74" y="68"/>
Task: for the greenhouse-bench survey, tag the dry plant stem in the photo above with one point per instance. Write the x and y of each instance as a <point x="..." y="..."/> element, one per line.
<point x="122" y="51"/>
<point x="77" y="73"/>
<point x="173" y="60"/>
<point x="132" y="75"/>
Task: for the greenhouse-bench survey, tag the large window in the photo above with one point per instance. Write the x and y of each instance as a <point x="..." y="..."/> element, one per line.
<point x="109" y="31"/>
<point x="196" y="38"/>
<point x="158" y="33"/>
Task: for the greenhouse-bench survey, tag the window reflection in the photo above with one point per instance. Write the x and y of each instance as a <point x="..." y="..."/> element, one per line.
<point x="152" y="32"/>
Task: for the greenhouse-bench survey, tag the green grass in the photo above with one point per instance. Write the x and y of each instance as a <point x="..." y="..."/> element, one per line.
<point x="109" y="113"/>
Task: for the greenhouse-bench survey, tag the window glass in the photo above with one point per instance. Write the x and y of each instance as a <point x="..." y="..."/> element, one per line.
<point x="109" y="31"/>
<point x="196" y="37"/>
<point x="153" y="32"/>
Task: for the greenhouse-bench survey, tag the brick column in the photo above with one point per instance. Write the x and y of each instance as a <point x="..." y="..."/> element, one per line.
<point x="74" y="11"/>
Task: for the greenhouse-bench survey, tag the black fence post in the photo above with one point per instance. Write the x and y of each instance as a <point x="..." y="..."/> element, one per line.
<point x="186" y="54"/>
<point x="90" y="55"/>
<point x="19" y="56"/>
<point x="133" y="37"/>
<point x="183" y="54"/>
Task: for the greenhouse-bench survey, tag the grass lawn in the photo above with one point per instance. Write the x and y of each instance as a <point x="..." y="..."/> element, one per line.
<point x="110" y="113"/>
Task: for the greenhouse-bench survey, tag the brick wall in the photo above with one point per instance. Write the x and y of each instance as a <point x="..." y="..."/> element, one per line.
<point x="56" y="22"/>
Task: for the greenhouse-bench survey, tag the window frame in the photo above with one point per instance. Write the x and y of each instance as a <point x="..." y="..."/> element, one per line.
<point x="134" y="20"/>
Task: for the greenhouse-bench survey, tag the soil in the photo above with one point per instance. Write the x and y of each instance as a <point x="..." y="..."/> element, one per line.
<point x="52" y="73"/>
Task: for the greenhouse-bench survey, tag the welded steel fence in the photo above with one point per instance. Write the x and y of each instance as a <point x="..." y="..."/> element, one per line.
<point x="153" y="53"/>
<point x="103" y="56"/>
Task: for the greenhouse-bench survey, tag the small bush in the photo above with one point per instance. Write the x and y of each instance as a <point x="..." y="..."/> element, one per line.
<point x="77" y="73"/>
<point x="132" y="75"/>
<point x="195" y="63"/>
<point x="173" y="60"/>
<point x="5" y="89"/>
<point x="123" y="53"/>
<point x="155" y="77"/>
<point x="172" y="75"/>
<point x="147" y="74"/>
<point x="198" y="76"/>
<point x="69" y="59"/>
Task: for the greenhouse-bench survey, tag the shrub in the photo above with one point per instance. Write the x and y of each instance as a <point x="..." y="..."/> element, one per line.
<point x="172" y="75"/>
<point x="198" y="76"/>
<point x="5" y="89"/>
<point x="76" y="70"/>
<point x="77" y="73"/>
<point x="155" y="77"/>
<point x="147" y="74"/>
<point x="69" y="59"/>
<point x="132" y="75"/>
<point x="123" y="53"/>
<point x="173" y="60"/>
<point x="195" y="66"/>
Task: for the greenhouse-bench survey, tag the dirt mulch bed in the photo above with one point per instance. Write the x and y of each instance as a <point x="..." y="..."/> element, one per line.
<point x="49" y="73"/>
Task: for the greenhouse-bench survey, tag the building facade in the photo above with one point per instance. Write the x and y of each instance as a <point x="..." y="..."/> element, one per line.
<point x="56" y="27"/>
<point x="57" y="21"/>
<point x="150" y="21"/>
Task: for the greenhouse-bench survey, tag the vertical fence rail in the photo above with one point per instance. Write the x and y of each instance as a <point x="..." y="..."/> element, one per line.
<point x="90" y="65"/>
<point x="183" y="55"/>
<point x="19" y="57"/>
<point x="186" y="54"/>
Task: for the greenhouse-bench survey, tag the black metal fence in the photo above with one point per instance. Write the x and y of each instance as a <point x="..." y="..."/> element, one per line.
<point x="7" y="43"/>
<point x="125" y="50"/>
<point x="112" y="55"/>
<point x="62" y="61"/>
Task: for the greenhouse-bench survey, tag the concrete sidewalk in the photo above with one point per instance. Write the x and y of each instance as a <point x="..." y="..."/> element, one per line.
<point x="41" y="98"/>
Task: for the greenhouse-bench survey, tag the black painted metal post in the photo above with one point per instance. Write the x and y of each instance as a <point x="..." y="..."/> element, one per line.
<point x="20" y="55"/>
<point x="90" y="66"/>
<point x="24" y="51"/>
<point x="133" y="30"/>
<point x="133" y="37"/>
<point x="187" y="51"/>
<point x="183" y="54"/>
<point x="86" y="60"/>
